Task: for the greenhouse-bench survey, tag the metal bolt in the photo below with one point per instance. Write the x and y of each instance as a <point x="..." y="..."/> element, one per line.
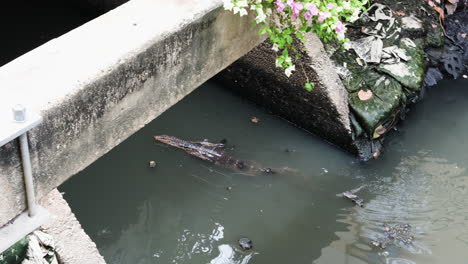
<point x="19" y="113"/>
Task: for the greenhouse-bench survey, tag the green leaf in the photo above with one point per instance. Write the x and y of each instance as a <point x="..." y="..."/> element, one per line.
<point x="300" y="36"/>
<point x="309" y="86"/>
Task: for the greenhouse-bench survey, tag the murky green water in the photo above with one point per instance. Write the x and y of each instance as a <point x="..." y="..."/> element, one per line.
<point x="182" y="212"/>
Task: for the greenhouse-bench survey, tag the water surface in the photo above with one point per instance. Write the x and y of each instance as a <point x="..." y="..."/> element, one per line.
<point x="182" y="211"/>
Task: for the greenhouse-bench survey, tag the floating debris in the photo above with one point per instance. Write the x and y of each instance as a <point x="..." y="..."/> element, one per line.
<point x="254" y="120"/>
<point x="215" y="153"/>
<point x="398" y="235"/>
<point x="245" y="243"/>
<point x="400" y="232"/>
<point x="351" y="195"/>
<point x="267" y="170"/>
<point x="354" y="198"/>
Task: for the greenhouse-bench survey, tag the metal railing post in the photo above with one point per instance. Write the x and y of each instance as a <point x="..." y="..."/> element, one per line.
<point x="35" y="215"/>
<point x="28" y="177"/>
<point x="19" y="115"/>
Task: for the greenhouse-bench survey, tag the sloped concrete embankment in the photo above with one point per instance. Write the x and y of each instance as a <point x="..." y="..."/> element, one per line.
<point x="324" y="111"/>
<point x="98" y="84"/>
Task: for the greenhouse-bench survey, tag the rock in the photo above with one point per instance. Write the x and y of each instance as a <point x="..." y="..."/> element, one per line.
<point x="433" y="76"/>
<point x="453" y="63"/>
<point x="245" y="243"/>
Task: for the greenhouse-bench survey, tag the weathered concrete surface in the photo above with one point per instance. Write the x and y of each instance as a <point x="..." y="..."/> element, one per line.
<point x="324" y="111"/>
<point x="100" y="83"/>
<point x="73" y="245"/>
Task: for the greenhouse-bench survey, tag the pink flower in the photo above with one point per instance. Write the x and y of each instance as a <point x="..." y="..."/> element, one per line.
<point x="308" y="15"/>
<point x="296" y="8"/>
<point x="290" y="2"/>
<point x="340" y="28"/>
<point x="280" y="5"/>
<point x="330" y="6"/>
<point x="323" y="15"/>
<point x="313" y="9"/>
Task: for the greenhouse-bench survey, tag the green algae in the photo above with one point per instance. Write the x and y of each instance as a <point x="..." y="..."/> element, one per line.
<point x="435" y="37"/>
<point x="16" y="253"/>
<point x="410" y="73"/>
<point x="386" y="99"/>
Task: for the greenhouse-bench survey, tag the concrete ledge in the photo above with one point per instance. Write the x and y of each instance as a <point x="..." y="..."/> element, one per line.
<point x="100" y="83"/>
<point x="21" y="227"/>
<point x="73" y="245"/>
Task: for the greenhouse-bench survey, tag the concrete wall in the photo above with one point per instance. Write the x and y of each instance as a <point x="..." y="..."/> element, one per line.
<point x="324" y="111"/>
<point x="100" y="83"/>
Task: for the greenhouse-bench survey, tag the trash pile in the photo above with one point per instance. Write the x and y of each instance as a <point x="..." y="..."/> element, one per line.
<point x="384" y="65"/>
<point x="399" y="235"/>
<point x="36" y="248"/>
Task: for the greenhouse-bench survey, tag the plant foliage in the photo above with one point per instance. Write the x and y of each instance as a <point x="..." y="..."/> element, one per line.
<point x="284" y="19"/>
